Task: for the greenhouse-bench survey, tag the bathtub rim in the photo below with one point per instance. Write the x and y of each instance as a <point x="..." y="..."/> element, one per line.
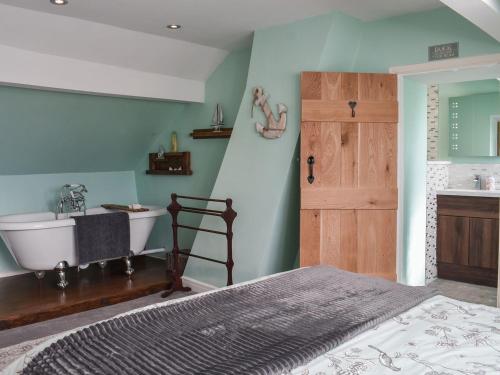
<point x="154" y="211"/>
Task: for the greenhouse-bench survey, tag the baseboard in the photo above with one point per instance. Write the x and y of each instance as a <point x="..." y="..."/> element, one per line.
<point x="154" y="251"/>
<point x="196" y="285"/>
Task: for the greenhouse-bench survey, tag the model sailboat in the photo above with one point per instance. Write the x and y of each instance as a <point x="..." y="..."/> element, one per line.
<point x="218" y="118"/>
<point x="216" y="130"/>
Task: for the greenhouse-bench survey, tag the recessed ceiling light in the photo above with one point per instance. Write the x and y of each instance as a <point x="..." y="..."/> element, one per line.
<point x="174" y="26"/>
<point x="59" y="2"/>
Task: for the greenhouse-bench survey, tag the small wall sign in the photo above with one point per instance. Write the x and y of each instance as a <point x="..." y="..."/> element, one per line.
<point x="443" y="51"/>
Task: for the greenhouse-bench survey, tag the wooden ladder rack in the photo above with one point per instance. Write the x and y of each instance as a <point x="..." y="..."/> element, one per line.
<point x="228" y="215"/>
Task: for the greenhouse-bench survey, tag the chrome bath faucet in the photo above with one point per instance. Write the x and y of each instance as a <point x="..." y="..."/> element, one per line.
<point x="477" y="182"/>
<point x="71" y="199"/>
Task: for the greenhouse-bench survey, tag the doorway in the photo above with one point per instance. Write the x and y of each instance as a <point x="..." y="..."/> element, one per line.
<point x="417" y="142"/>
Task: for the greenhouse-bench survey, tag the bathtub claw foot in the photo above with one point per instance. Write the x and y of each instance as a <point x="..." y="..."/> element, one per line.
<point x="102" y="264"/>
<point x="40" y="274"/>
<point x="128" y="264"/>
<point x="61" y="274"/>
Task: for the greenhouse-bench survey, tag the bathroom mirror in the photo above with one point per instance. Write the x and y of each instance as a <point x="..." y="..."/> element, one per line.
<point x="472" y="111"/>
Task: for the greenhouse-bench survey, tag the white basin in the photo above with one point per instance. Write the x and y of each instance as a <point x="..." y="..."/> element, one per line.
<point x="470" y="192"/>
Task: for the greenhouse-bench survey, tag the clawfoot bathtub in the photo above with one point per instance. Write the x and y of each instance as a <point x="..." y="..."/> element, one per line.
<point x="38" y="242"/>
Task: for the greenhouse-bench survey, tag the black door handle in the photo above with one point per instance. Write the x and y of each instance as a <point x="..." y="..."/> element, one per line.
<point x="310" y="163"/>
<point x="353" y="105"/>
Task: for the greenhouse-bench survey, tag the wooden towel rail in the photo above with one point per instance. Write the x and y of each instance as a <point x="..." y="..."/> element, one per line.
<point x="228" y="215"/>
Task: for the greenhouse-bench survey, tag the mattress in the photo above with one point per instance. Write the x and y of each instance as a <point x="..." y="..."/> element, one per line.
<point x="440" y="336"/>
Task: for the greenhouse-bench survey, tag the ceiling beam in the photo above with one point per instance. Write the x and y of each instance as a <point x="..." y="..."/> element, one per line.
<point x="25" y="68"/>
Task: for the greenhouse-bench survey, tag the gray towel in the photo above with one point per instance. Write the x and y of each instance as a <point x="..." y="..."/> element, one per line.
<point x="104" y="236"/>
<point x="267" y="327"/>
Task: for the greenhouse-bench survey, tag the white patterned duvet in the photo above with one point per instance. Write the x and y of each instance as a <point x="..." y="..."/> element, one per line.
<point x="441" y="336"/>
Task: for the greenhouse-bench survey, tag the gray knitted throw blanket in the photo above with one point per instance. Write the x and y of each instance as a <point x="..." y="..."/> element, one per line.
<point x="266" y="327"/>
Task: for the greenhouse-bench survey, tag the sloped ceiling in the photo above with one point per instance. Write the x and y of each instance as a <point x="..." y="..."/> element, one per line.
<point x="485" y="14"/>
<point x="90" y="41"/>
<point x="62" y="53"/>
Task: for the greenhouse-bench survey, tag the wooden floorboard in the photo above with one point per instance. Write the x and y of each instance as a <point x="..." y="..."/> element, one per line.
<point x="25" y="299"/>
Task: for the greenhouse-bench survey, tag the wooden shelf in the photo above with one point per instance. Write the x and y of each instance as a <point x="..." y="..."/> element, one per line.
<point x="210" y="133"/>
<point x="169" y="173"/>
<point x="172" y="164"/>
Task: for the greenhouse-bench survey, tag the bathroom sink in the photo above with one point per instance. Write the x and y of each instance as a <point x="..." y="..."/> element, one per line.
<point x="470" y="192"/>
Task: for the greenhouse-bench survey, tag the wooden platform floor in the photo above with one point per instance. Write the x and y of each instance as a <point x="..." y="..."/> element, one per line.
<point x="24" y="299"/>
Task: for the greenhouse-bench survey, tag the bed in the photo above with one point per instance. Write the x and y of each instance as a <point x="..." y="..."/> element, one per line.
<point x="396" y="329"/>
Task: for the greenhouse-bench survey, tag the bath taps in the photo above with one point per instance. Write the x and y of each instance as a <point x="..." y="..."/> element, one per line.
<point x="477" y="182"/>
<point x="71" y="199"/>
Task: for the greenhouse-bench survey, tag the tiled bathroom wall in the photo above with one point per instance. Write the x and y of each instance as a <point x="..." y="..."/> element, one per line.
<point x="432" y="121"/>
<point x="462" y="175"/>
<point x="437" y="179"/>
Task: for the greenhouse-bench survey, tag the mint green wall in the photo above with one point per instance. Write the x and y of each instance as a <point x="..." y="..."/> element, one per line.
<point x="256" y="172"/>
<point x="343" y="43"/>
<point x="483" y="86"/>
<point x="225" y="86"/>
<point x="354" y="45"/>
<point x="284" y="255"/>
<point x="37" y="193"/>
<point x="404" y="40"/>
<point x="56" y="132"/>
<point x="415" y="160"/>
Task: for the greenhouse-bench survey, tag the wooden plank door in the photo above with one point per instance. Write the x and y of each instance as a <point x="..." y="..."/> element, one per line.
<point x="349" y="193"/>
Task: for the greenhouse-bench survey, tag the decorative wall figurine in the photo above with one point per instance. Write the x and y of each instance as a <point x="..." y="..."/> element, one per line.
<point x="161" y="152"/>
<point x="274" y="128"/>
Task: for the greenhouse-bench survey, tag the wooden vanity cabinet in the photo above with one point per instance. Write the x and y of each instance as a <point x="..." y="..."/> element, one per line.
<point x="467" y="239"/>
